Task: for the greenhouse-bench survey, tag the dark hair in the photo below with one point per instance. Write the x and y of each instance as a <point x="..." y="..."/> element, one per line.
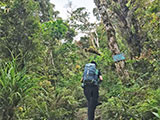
<point x="94" y="63"/>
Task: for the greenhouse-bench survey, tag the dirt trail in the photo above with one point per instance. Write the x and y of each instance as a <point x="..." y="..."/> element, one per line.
<point x="82" y="114"/>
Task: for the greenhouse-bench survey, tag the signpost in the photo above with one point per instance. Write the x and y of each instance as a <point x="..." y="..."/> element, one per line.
<point x="118" y="57"/>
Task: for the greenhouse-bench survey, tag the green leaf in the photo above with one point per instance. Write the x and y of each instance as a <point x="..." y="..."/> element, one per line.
<point x="156" y="114"/>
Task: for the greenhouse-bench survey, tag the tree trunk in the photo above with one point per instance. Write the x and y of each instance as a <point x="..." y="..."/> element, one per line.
<point x="113" y="46"/>
<point x="128" y="22"/>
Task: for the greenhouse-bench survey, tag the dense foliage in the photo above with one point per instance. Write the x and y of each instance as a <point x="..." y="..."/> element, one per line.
<point x="42" y="58"/>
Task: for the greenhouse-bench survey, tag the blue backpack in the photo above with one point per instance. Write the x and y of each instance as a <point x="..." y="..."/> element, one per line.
<point x="90" y="74"/>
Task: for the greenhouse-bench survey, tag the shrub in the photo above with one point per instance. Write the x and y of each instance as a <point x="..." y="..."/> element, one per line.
<point x="15" y="86"/>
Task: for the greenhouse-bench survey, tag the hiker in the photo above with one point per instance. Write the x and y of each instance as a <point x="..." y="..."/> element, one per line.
<point x="90" y="82"/>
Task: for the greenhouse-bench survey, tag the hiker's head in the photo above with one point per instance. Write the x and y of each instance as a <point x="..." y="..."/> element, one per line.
<point x="94" y="63"/>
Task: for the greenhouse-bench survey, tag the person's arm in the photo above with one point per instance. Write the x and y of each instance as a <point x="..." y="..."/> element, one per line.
<point x="100" y="77"/>
<point x="81" y="80"/>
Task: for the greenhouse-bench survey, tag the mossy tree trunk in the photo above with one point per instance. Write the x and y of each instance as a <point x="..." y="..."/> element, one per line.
<point x="113" y="46"/>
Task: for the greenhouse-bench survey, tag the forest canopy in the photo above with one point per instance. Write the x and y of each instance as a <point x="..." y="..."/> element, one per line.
<point x="42" y="61"/>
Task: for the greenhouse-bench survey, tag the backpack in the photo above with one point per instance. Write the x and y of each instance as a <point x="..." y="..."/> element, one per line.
<point x="90" y="74"/>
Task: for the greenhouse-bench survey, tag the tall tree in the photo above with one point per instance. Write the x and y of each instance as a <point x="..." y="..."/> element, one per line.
<point x="54" y="35"/>
<point x="17" y="28"/>
<point x="101" y="5"/>
<point x="122" y="14"/>
<point x="46" y="10"/>
<point x="80" y="21"/>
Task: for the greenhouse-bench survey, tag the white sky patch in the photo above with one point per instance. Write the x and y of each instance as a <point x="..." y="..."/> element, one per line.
<point x="60" y="5"/>
<point x="3" y="7"/>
